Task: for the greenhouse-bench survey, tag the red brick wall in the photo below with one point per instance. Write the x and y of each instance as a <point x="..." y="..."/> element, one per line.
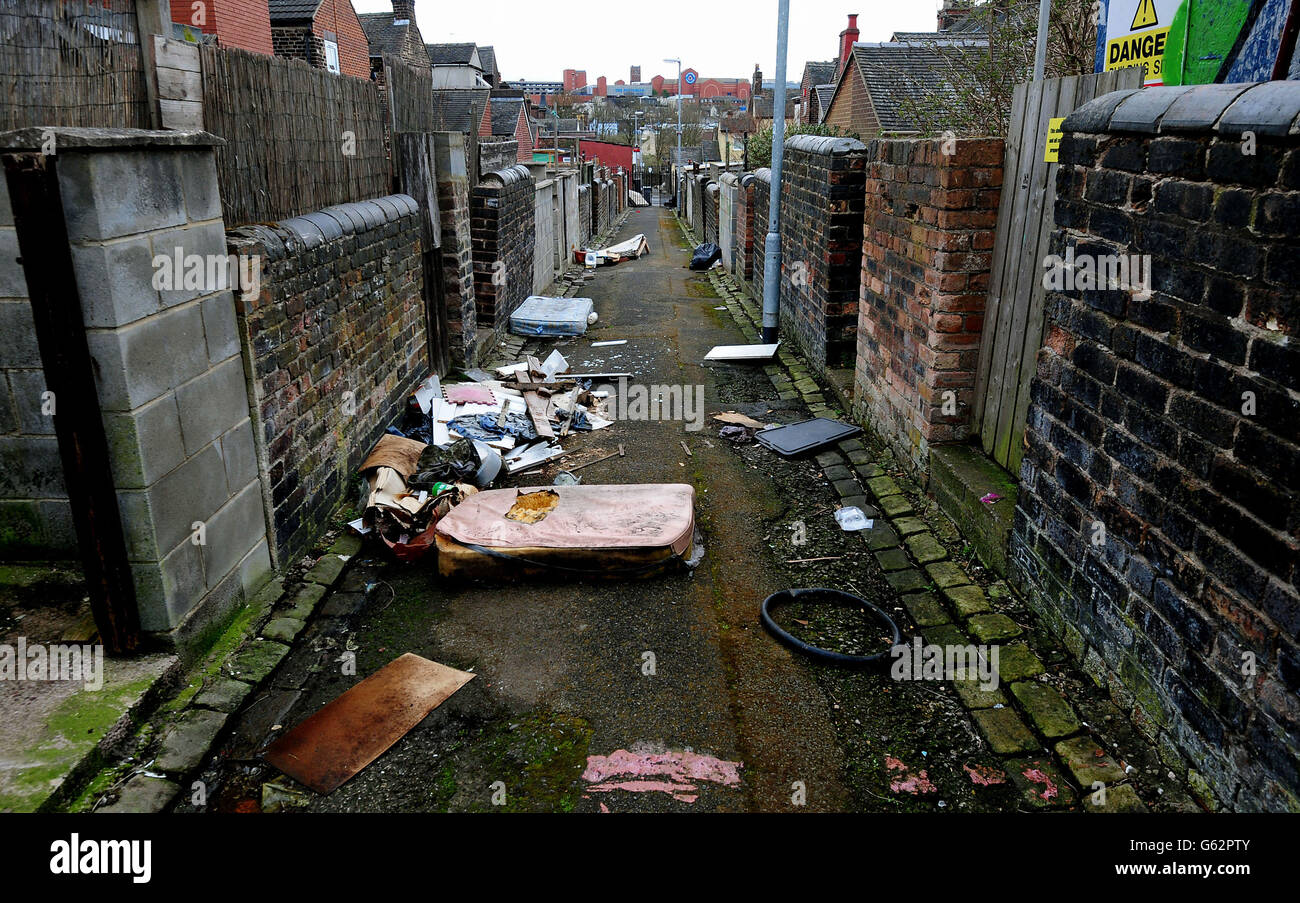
<point x="354" y="53"/>
<point x="245" y="24"/>
<point x="927" y="251"/>
<point x="524" y="135"/>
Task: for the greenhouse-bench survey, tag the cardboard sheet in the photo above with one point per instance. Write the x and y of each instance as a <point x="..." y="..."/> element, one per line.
<point x="330" y="747"/>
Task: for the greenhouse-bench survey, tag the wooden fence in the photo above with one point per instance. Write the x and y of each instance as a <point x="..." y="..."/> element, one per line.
<point x="71" y="63"/>
<point x="1013" y="322"/>
<point x="297" y="138"/>
<point x="410" y="96"/>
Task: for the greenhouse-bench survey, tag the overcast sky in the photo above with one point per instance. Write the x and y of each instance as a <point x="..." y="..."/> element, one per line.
<point x="537" y="40"/>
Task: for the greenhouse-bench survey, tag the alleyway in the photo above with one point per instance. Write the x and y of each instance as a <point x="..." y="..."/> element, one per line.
<point x="560" y="664"/>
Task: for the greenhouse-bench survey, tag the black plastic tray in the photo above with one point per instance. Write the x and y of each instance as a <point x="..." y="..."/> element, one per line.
<point x="805" y="436"/>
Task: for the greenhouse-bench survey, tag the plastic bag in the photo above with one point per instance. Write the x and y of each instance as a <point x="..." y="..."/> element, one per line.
<point x="457" y="463"/>
<point x="705" y="256"/>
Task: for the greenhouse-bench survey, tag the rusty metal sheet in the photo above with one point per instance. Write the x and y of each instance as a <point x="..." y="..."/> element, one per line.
<point x="327" y="749"/>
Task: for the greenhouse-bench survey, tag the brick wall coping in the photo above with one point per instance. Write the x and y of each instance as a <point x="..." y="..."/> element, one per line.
<point x="826" y="146"/>
<point x="713" y="188"/>
<point x="68" y="138"/>
<point x="311" y="230"/>
<point x="510" y="175"/>
<point x="730" y="178"/>
<point x="763" y="175"/>
<point x="1269" y="108"/>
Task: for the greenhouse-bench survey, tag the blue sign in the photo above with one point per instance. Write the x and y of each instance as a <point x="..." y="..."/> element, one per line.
<point x="690" y="78"/>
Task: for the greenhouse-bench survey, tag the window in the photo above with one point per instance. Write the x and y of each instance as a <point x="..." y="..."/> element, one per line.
<point x="332" y="57"/>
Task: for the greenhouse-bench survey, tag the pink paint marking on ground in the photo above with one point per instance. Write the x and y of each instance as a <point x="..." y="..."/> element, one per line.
<point x="678" y="773"/>
<point x="1038" y="776"/>
<point x="908" y="782"/>
<point x="985" y="775"/>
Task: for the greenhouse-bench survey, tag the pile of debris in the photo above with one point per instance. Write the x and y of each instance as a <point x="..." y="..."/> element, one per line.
<point x="456" y="439"/>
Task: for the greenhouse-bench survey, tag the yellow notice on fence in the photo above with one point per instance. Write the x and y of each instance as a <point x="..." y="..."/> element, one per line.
<point x="1053" y="139"/>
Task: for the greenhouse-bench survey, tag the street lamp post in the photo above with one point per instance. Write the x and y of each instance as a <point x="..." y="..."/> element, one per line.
<point x="772" y="247"/>
<point x="679" y="119"/>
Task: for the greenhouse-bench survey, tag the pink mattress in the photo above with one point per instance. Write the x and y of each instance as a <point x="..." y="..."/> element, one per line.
<point x="649" y="516"/>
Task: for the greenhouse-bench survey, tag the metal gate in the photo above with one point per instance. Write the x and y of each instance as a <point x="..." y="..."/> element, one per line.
<point x="1013" y="323"/>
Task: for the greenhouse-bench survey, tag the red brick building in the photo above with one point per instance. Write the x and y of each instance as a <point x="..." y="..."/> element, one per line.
<point x="607" y="153"/>
<point x="245" y="24"/>
<point x="325" y="33"/>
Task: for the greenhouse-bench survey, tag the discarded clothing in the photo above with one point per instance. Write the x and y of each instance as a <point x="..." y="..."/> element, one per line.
<point x="457" y="463"/>
<point x="490" y="427"/>
<point x="705" y="256"/>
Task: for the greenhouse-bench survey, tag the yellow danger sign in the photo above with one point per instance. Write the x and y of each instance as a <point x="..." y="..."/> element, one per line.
<point x="1143" y="48"/>
<point x="1054" y="132"/>
<point x="1145" y="16"/>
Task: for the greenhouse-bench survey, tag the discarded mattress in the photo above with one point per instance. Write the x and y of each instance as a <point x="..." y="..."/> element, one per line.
<point x="596" y="531"/>
<point x="552" y="316"/>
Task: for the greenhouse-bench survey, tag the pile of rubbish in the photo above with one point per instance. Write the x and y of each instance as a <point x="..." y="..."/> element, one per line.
<point x="456" y="439"/>
<point x="632" y="249"/>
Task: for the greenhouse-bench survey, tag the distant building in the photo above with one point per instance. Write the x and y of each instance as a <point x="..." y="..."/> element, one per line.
<point x="488" y="58"/>
<point x="243" y="24"/>
<point x="325" y="33"/>
<point x="509" y="118"/>
<point x="814" y="75"/>
<point x="396" y="34"/>
<point x="456" y="66"/>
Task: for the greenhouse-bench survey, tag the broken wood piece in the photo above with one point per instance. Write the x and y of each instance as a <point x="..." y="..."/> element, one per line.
<point x="686" y="448"/>
<point x="740" y="420"/>
<point x="537" y="410"/>
<point x="618" y="454"/>
<point x="337" y="742"/>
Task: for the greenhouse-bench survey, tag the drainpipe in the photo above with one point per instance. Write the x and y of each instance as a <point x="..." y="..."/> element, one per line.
<point x="772" y="248"/>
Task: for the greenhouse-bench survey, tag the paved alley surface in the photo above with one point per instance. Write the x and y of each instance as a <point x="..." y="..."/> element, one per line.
<point x="561" y="665"/>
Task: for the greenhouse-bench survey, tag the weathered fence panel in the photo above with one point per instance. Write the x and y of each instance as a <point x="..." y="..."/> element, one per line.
<point x="1013" y="325"/>
<point x="410" y="96"/>
<point x="297" y="138"/>
<point x="72" y="64"/>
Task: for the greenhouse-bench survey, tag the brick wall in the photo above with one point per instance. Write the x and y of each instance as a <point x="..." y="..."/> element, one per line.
<point x="762" y="208"/>
<point x="585" y="202"/>
<point x="245" y="24"/>
<point x="698" y="221"/>
<point x="821" y="244"/>
<point x="745" y="230"/>
<point x="712" y="213"/>
<point x="457" y="250"/>
<point x="927" y="250"/>
<point x="1168" y="417"/>
<point x="503" y="229"/>
<point x="337" y="17"/>
<point x="335" y="341"/>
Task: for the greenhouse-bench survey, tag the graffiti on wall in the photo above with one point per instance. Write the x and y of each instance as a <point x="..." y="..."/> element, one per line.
<point x="1193" y="42"/>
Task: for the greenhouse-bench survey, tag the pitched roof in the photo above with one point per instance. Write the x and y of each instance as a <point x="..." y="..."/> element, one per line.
<point x="823" y="95"/>
<point x="896" y="73"/>
<point x="452" y="54"/>
<point x="293" y="10"/>
<point x="381" y="34"/>
<point x="820" y="73"/>
<point x="487" y="56"/>
<point x="505" y="114"/>
<point x="459" y="109"/>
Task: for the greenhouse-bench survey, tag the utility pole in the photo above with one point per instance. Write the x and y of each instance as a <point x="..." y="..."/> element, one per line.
<point x="1040" y="45"/>
<point x="679" y="120"/>
<point x="772" y="248"/>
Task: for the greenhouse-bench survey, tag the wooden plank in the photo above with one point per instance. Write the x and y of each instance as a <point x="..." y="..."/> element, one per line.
<point x="1029" y="273"/>
<point x="1014" y="251"/>
<point x="995" y="306"/>
<point x="537" y="410"/>
<point x="179" y="84"/>
<point x="169" y="53"/>
<point x="181" y="114"/>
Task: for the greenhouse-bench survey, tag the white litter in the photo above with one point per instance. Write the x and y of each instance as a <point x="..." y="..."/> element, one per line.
<point x="742" y="353"/>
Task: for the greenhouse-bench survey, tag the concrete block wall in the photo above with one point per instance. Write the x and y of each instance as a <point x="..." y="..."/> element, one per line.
<point x="713" y="213"/>
<point x="497" y="153"/>
<point x="728" y="190"/>
<point x="35" y="518"/>
<point x="503" y="227"/>
<point x="1157" y="522"/>
<point x="457" y="251"/>
<point x="931" y="213"/>
<point x="544" y="237"/>
<point x="335" y="341"/>
<point x="169" y="376"/>
<point x="822" y="205"/>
